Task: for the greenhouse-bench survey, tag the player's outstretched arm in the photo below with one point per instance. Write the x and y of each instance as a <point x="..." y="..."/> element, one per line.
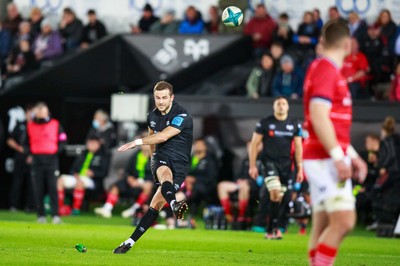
<point x="253" y="152"/>
<point x="153" y="139"/>
<point x="323" y="127"/>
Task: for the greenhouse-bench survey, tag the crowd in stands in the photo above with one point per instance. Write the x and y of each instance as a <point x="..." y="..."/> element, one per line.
<point x="27" y="44"/>
<point x="226" y="202"/>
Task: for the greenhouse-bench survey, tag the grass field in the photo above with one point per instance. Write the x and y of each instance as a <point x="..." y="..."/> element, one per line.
<point x="24" y="242"/>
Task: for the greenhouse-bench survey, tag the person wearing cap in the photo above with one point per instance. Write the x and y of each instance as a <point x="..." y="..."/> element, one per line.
<point x="48" y="44"/>
<point x="146" y="20"/>
<point x="166" y="25"/>
<point x="87" y="172"/>
<point x="288" y="81"/>
<point x="93" y="31"/>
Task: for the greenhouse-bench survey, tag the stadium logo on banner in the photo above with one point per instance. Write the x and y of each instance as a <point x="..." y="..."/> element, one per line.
<point x="190" y="47"/>
<point x="359" y="6"/>
<point x="166" y="56"/>
<point x="47" y="6"/>
<point x="139" y="4"/>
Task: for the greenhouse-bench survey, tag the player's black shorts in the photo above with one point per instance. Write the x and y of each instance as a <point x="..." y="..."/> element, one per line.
<point x="282" y="170"/>
<point x="179" y="169"/>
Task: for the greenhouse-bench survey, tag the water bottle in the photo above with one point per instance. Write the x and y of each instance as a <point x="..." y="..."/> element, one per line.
<point x="81" y="248"/>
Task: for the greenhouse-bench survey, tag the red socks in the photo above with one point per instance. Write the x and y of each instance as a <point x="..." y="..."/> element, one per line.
<point x="78" y="196"/>
<point x="243" y="208"/>
<point x="61" y="197"/>
<point x="226" y="205"/>
<point x="325" y="255"/>
<point x="112" y="199"/>
<point x="142" y="199"/>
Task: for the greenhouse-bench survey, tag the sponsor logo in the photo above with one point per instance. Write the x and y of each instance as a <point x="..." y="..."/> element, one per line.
<point x="177" y="121"/>
<point x="272" y="126"/>
<point x="183" y="115"/>
<point x="167" y="55"/>
<point x="271" y="133"/>
<point x="283" y="134"/>
<point x="289" y="127"/>
<point x="46" y="6"/>
<point x="196" y="50"/>
<point x="348" y="6"/>
<point x="152" y="124"/>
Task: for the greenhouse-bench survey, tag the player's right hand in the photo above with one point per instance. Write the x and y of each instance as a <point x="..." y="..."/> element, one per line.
<point x="253" y="172"/>
<point x="127" y="146"/>
<point x="344" y="170"/>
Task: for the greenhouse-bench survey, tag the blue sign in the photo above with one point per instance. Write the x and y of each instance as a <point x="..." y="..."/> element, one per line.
<point x="47" y="5"/>
<point x="361" y="7"/>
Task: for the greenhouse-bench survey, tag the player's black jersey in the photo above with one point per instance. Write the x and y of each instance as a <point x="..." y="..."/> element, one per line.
<point x="179" y="146"/>
<point x="277" y="137"/>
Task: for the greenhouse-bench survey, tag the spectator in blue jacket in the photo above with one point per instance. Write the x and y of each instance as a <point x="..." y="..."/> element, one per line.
<point x="288" y="81"/>
<point x="5" y="44"/>
<point x="193" y="23"/>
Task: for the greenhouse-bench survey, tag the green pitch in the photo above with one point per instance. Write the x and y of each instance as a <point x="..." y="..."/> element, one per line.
<point x="24" y="242"/>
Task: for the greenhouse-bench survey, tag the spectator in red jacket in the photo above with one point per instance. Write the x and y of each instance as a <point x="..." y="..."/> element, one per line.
<point x="395" y="90"/>
<point x="355" y="69"/>
<point x="261" y="28"/>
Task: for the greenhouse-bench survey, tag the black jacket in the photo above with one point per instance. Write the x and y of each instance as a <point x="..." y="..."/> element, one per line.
<point x="99" y="164"/>
<point x="389" y="154"/>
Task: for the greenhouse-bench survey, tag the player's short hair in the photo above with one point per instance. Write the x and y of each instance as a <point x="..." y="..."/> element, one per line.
<point x="163" y="85"/>
<point x="284" y="16"/>
<point x="373" y="136"/>
<point x="334" y="32"/>
<point x="280" y="97"/>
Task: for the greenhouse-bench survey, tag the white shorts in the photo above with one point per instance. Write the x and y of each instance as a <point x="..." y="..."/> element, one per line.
<point x="70" y="181"/>
<point x="327" y="193"/>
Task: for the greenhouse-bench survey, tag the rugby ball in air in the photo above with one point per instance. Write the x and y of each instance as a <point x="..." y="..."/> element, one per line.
<point x="232" y="16"/>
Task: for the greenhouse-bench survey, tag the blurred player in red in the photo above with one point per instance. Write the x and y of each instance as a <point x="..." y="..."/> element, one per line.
<point x="329" y="159"/>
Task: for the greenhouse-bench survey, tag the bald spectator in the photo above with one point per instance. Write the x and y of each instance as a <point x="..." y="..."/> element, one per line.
<point x="334" y="14"/>
<point x="358" y="27"/>
<point x="261" y="28"/>
<point x="35" y="19"/>
<point x="193" y="22"/>
<point x="48" y="44"/>
<point x="70" y="29"/>
<point x="355" y="69"/>
<point x="12" y="20"/>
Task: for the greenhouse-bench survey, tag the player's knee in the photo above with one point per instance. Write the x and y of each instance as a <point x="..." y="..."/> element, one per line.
<point x="79" y="184"/>
<point x="60" y="184"/>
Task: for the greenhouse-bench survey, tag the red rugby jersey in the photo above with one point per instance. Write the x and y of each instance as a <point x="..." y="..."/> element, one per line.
<point x="325" y="83"/>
